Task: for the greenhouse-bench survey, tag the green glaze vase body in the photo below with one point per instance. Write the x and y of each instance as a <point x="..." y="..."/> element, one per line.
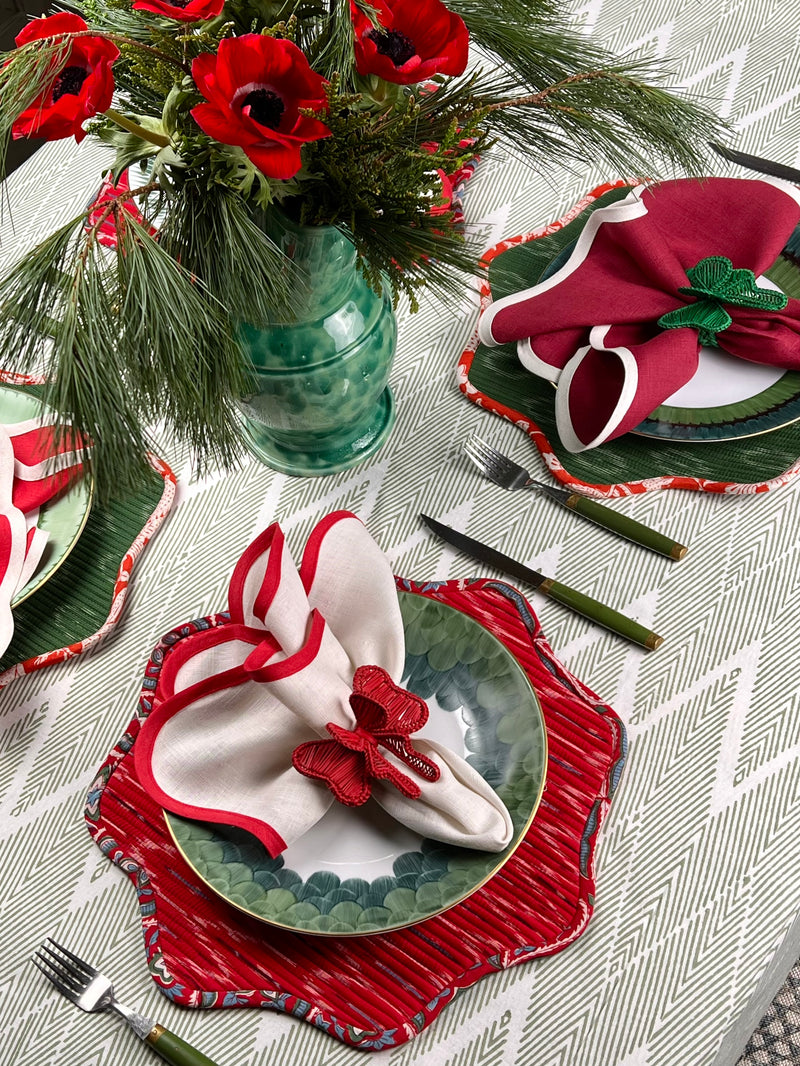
<point x="321" y="400"/>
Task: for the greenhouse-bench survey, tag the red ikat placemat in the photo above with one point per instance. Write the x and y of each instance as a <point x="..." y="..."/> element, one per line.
<point x="379" y="991"/>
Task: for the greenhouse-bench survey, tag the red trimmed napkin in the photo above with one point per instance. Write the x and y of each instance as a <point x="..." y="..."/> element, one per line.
<point x="36" y="464"/>
<point x="265" y="722"/>
<point x="379" y="991"/>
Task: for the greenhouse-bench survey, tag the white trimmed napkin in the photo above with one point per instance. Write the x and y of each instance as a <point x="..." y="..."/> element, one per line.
<point x="264" y="722"/>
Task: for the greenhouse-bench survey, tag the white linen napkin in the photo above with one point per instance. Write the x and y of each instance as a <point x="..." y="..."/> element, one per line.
<point x="244" y="711"/>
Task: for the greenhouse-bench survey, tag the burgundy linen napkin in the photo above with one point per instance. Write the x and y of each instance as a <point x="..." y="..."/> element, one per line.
<point x="652" y="277"/>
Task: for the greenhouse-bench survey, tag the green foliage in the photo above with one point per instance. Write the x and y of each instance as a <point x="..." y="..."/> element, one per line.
<point x="123" y="338"/>
<point x="22" y="75"/>
<point x="150" y="329"/>
<point x="385" y="203"/>
<point x="217" y="240"/>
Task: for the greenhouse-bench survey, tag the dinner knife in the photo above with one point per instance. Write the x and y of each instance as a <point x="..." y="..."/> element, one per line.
<point x="569" y="597"/>
<point x="755" y="162"/>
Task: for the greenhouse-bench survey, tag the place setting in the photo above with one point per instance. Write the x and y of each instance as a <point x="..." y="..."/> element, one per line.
<point x="351" y="773"/>
<point x="626" y="401"/>
<point x="65" y="592"/>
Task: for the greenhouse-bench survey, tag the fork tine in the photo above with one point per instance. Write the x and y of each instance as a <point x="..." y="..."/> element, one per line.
<point x="493" y="460"/>
<point x="480" y="452"/>
<point x="472" y="446"/>
<point x="66" y="957"/>
<point x="487" y="450"/>
<point x="68" y="963"/>
<point x="55" y="978"/>
<point x="60" y="967"/>
<point x="474" y="455"/>
<point x="479" y="446"/>
<point x="484" y="465"/>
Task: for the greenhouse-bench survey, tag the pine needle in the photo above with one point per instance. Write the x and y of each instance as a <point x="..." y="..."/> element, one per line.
<point x="215" y="236"/>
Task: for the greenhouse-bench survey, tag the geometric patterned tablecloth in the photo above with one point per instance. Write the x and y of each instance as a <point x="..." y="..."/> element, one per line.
<point x="698" y="872"/>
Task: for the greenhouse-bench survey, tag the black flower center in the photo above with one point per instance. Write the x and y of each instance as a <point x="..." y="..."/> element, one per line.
<point x="266" y="107"/>
<point x="393" y="44"/>
<point x="179" y="3"/>
<point x="69" y="82"/>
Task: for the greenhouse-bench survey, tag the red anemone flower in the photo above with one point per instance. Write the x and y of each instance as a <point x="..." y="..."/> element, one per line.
<point x="415" y="40"/>
<point x="182" y="10"/>
<point x="83" y="88"/>
<point x="255" y="87"/>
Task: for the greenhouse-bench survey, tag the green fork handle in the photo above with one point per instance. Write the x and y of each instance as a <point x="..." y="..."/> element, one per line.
<point x="625" y="526"/>
<point x="175" y="1050"/>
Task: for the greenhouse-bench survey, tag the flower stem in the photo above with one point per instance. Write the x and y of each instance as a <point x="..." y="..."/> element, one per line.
<point x="134" y="127"/>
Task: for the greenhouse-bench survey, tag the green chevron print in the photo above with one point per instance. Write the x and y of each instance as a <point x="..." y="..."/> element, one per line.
<point x="698" y="860"/>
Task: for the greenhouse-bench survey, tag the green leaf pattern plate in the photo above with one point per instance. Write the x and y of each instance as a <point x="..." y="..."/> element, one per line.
<point x="358" y="871"/>
<point x="64" y="518"/>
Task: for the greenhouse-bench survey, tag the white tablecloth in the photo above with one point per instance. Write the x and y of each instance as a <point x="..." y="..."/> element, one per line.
<point x="696" y="920"/>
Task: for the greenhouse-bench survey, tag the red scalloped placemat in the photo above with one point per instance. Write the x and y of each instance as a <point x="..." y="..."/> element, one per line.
<point x="378" y="991"/>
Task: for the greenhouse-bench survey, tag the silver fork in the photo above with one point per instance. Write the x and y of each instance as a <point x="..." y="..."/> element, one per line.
<point x="88" y="989"/>
<point x="510" y="475"/>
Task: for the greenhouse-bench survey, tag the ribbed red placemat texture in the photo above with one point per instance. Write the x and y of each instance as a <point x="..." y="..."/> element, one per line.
<point x="378" y="991"/>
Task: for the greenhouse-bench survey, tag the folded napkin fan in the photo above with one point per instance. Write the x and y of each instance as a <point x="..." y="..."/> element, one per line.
<point x="650" y="279"/>
<point x="36" y="464"/>
<point x="262" y="722"/>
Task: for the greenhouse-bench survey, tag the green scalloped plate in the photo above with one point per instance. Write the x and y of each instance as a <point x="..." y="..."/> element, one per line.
<point x="64" y="518"/>
<point x="776" y="405"/>
<point x="358" y="871"/>
<point x="759" y="397"/>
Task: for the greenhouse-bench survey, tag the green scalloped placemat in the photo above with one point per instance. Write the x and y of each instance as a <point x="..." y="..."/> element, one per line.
<point x="498" y="374"/>
<point x="75" y="602"/>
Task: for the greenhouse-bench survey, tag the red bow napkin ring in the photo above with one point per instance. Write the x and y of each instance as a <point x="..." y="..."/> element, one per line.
<point x="650" y="279"/>
<point x="385" y="715"/>
<point x="300" y="688"/>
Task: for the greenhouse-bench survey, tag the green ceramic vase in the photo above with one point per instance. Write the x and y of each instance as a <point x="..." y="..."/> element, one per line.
<point x="321" y="400"/>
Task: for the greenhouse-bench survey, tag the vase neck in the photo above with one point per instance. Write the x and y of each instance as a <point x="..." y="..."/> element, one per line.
<point x="325" y="259"/>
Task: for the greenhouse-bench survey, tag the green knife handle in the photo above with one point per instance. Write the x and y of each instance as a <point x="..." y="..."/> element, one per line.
<point x="598" y="612"/>
<point x="625" y="526"/>
<point x="175" y="1050"/>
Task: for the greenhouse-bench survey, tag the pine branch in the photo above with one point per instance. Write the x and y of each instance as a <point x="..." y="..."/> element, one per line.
<point x="332" y="53"/>
<point x="215" y="237"/>
<point x="575" y="102"/>
<point x="189" y="368"/>
<point x="608" y="115"/>
<point x="119" y="19"/>
<point x="532" y="38"/>
<point x="124" y="340"/>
